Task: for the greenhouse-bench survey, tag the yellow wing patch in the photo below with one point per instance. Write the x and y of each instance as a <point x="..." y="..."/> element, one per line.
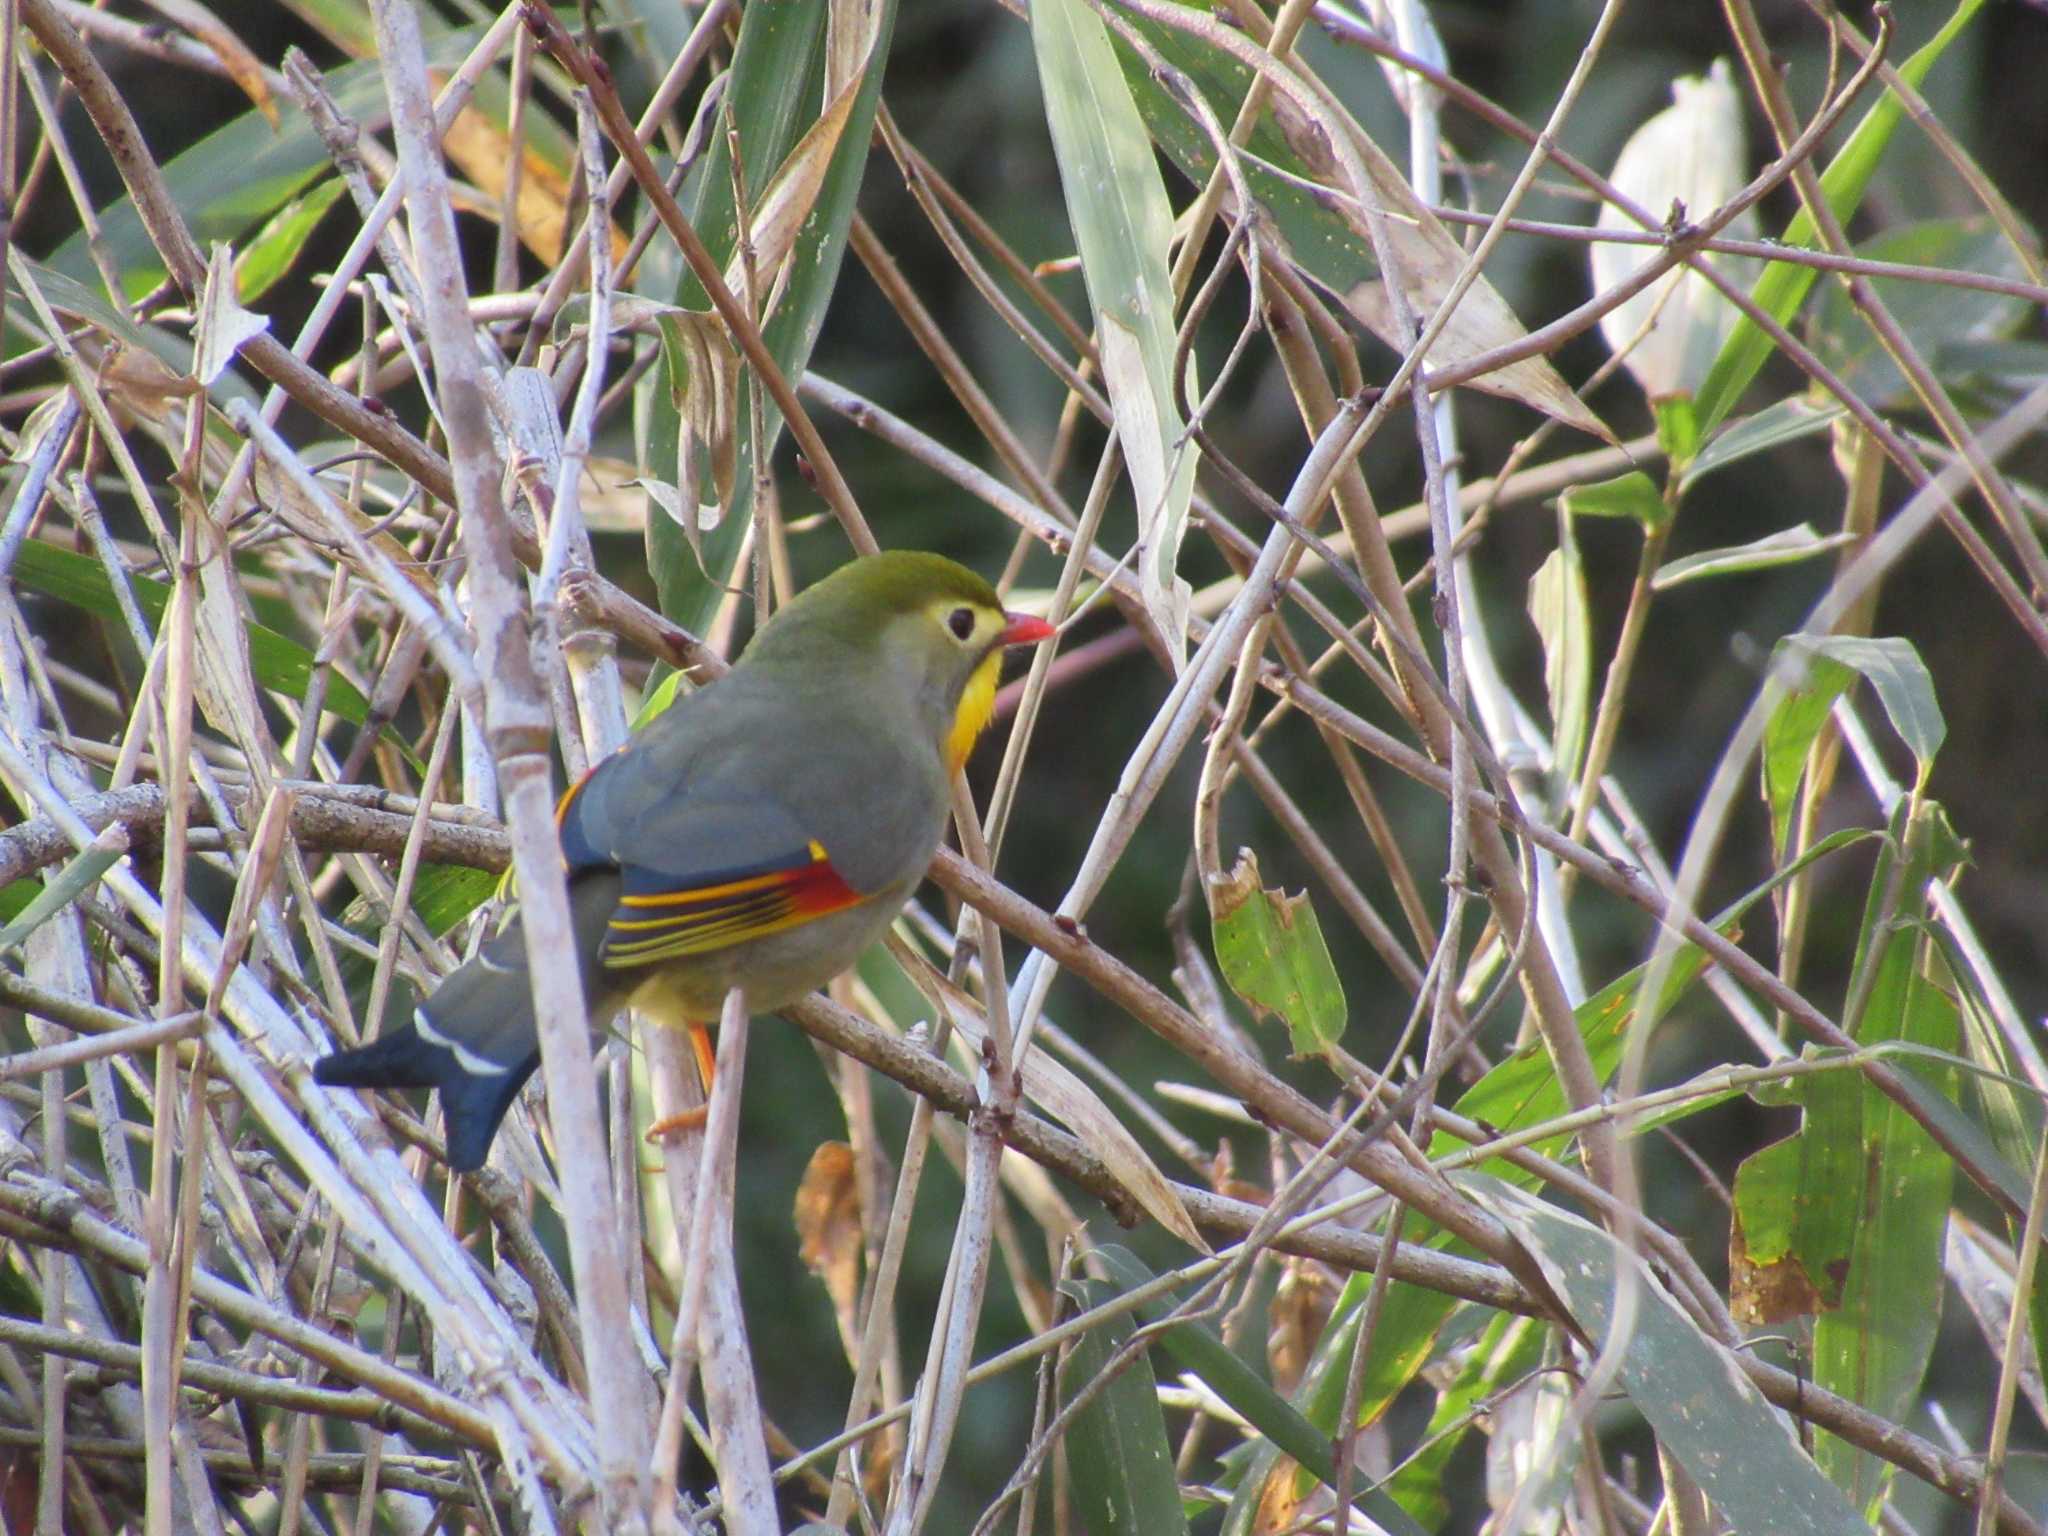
<point x="658" y="923"/>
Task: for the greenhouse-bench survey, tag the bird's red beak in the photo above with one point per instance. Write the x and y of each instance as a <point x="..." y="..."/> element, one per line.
<point x="1024" y="629"/>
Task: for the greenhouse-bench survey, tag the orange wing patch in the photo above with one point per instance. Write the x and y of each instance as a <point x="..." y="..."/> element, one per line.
<point x="657" y="922"/>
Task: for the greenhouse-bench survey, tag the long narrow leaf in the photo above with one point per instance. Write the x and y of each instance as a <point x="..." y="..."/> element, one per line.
<point x="1784" y="285"/>
<point x="1122" y="224"/>
<point x="1117" y="1451"/>
<point x="1691" y="1391"/>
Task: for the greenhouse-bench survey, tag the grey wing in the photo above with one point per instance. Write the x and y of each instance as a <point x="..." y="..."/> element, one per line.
<point x="699" y="819"/>
<point x="708" y="816"/>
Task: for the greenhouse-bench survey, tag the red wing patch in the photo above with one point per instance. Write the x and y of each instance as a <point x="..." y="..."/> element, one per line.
<point x="658" y="920"/>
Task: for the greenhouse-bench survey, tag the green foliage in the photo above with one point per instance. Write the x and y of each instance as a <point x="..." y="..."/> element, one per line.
<point x="1272" y="953"/>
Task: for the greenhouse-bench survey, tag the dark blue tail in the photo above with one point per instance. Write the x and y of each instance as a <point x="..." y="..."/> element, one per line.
<point x="473" y="1102"/>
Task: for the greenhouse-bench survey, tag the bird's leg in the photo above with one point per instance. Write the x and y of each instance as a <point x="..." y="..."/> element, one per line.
<point x="692" y="1118"/>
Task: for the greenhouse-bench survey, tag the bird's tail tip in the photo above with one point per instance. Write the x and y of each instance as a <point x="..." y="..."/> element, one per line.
<point x="474" y="1102"/>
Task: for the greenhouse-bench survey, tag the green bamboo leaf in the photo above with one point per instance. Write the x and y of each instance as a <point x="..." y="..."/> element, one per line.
<point x="1784" y="285"/>
<point x="1196" y="1349"/>
<point x="774" y="93"/>
<point x="1998" y="1123"/>
<point x="1787" y="421"/>
<point x="273" y="250"/>
<point x="68" y="296"/>
<point x="1876" y="1347"/>
<point x="658" y="698"/>
<point x="1831" y="664"/>
<point x="657" y="29"/>
<point x="80" y="872"/>
<point x="1411" y="1322"/>
<point x="1690" y="1389"/>
<point x="1904" y="685"/>
<point x="1792" y="1235"/>
<point x="1678" y="430"/>
<point x="1122" y="225"/>
<point x="1947" y="326"/>
<point x="1506" y="1351"/>
<point x="239" y="175"/>
<point x="1117" y="1451"/>
<point x="2002" y="1115"/>
<point x="1522" y="1090"/>
<point x="279" y="663"/>
<point x="444" y="894"/>
<point x="1789" y="734"/>
<point x="2009" y="365"/>
<point x="1846" y="1218"/>
<point x="15" y="898"/>
<point x="1929" y="1078"/>
<point x="1633" y="494"/>
<point x="1788" y="546"/>
<point x="1271" y="951"/>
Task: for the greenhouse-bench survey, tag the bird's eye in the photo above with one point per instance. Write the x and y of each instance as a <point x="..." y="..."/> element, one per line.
<point x="961" y="622"/>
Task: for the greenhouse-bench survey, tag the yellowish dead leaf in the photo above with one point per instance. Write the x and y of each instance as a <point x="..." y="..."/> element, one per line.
<point x="828" y="1229"/>
<point x="136" y="380"/>
<point x="851" y="28"/>
<point x="482" y="149"/>
<point x="779" y="210"/>
<point x="1295" y="1320"/>
<point x="704" y="382"/>
<point x="613" y="499"/>
<point x="1279" y="1504"/>
<point x="1430" y="259"/>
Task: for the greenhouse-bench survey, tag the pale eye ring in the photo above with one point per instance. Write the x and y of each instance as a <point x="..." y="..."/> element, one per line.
<point x="961" y="622"/>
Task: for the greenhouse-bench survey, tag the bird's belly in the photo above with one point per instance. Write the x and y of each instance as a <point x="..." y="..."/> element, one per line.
<point x="774" y="970"/>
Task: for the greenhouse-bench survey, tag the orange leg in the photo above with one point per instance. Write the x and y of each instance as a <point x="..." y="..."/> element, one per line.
<point x="690" y="1119"/>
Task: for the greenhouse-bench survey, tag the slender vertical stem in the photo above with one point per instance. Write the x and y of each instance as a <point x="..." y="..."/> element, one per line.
<point x="516" y="721"/>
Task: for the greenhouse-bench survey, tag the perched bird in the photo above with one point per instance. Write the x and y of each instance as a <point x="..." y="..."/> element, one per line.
<point x="759" y="834"/>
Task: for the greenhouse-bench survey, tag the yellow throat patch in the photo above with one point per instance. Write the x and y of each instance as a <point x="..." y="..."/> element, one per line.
<point x="977" y="704"/>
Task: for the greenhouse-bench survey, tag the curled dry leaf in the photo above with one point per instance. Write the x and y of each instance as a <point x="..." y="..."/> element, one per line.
<point x="614" y="497"/>
<point x="1296" y="1319"/>
<point x="704" y="384"/>
<point x="1683" y="163"/>
<point x="1430" y="259"/>
<point x="223" y="325"/>
<point x="1054" y="1087"/>
<point x="827" y="1219"/>
<point x="789" y="198"/>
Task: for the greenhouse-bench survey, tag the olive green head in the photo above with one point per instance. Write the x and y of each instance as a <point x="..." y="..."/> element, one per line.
<point x="908" y="631"/>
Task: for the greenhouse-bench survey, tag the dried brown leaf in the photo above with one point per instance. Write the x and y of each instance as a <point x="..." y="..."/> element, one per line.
<point x="828" y="1226"/>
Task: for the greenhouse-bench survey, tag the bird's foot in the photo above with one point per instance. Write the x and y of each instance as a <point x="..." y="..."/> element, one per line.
<point x="687" y="1120"/>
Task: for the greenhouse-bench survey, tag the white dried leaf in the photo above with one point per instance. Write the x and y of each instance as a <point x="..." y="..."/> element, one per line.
<point x="1693" y="155"/>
